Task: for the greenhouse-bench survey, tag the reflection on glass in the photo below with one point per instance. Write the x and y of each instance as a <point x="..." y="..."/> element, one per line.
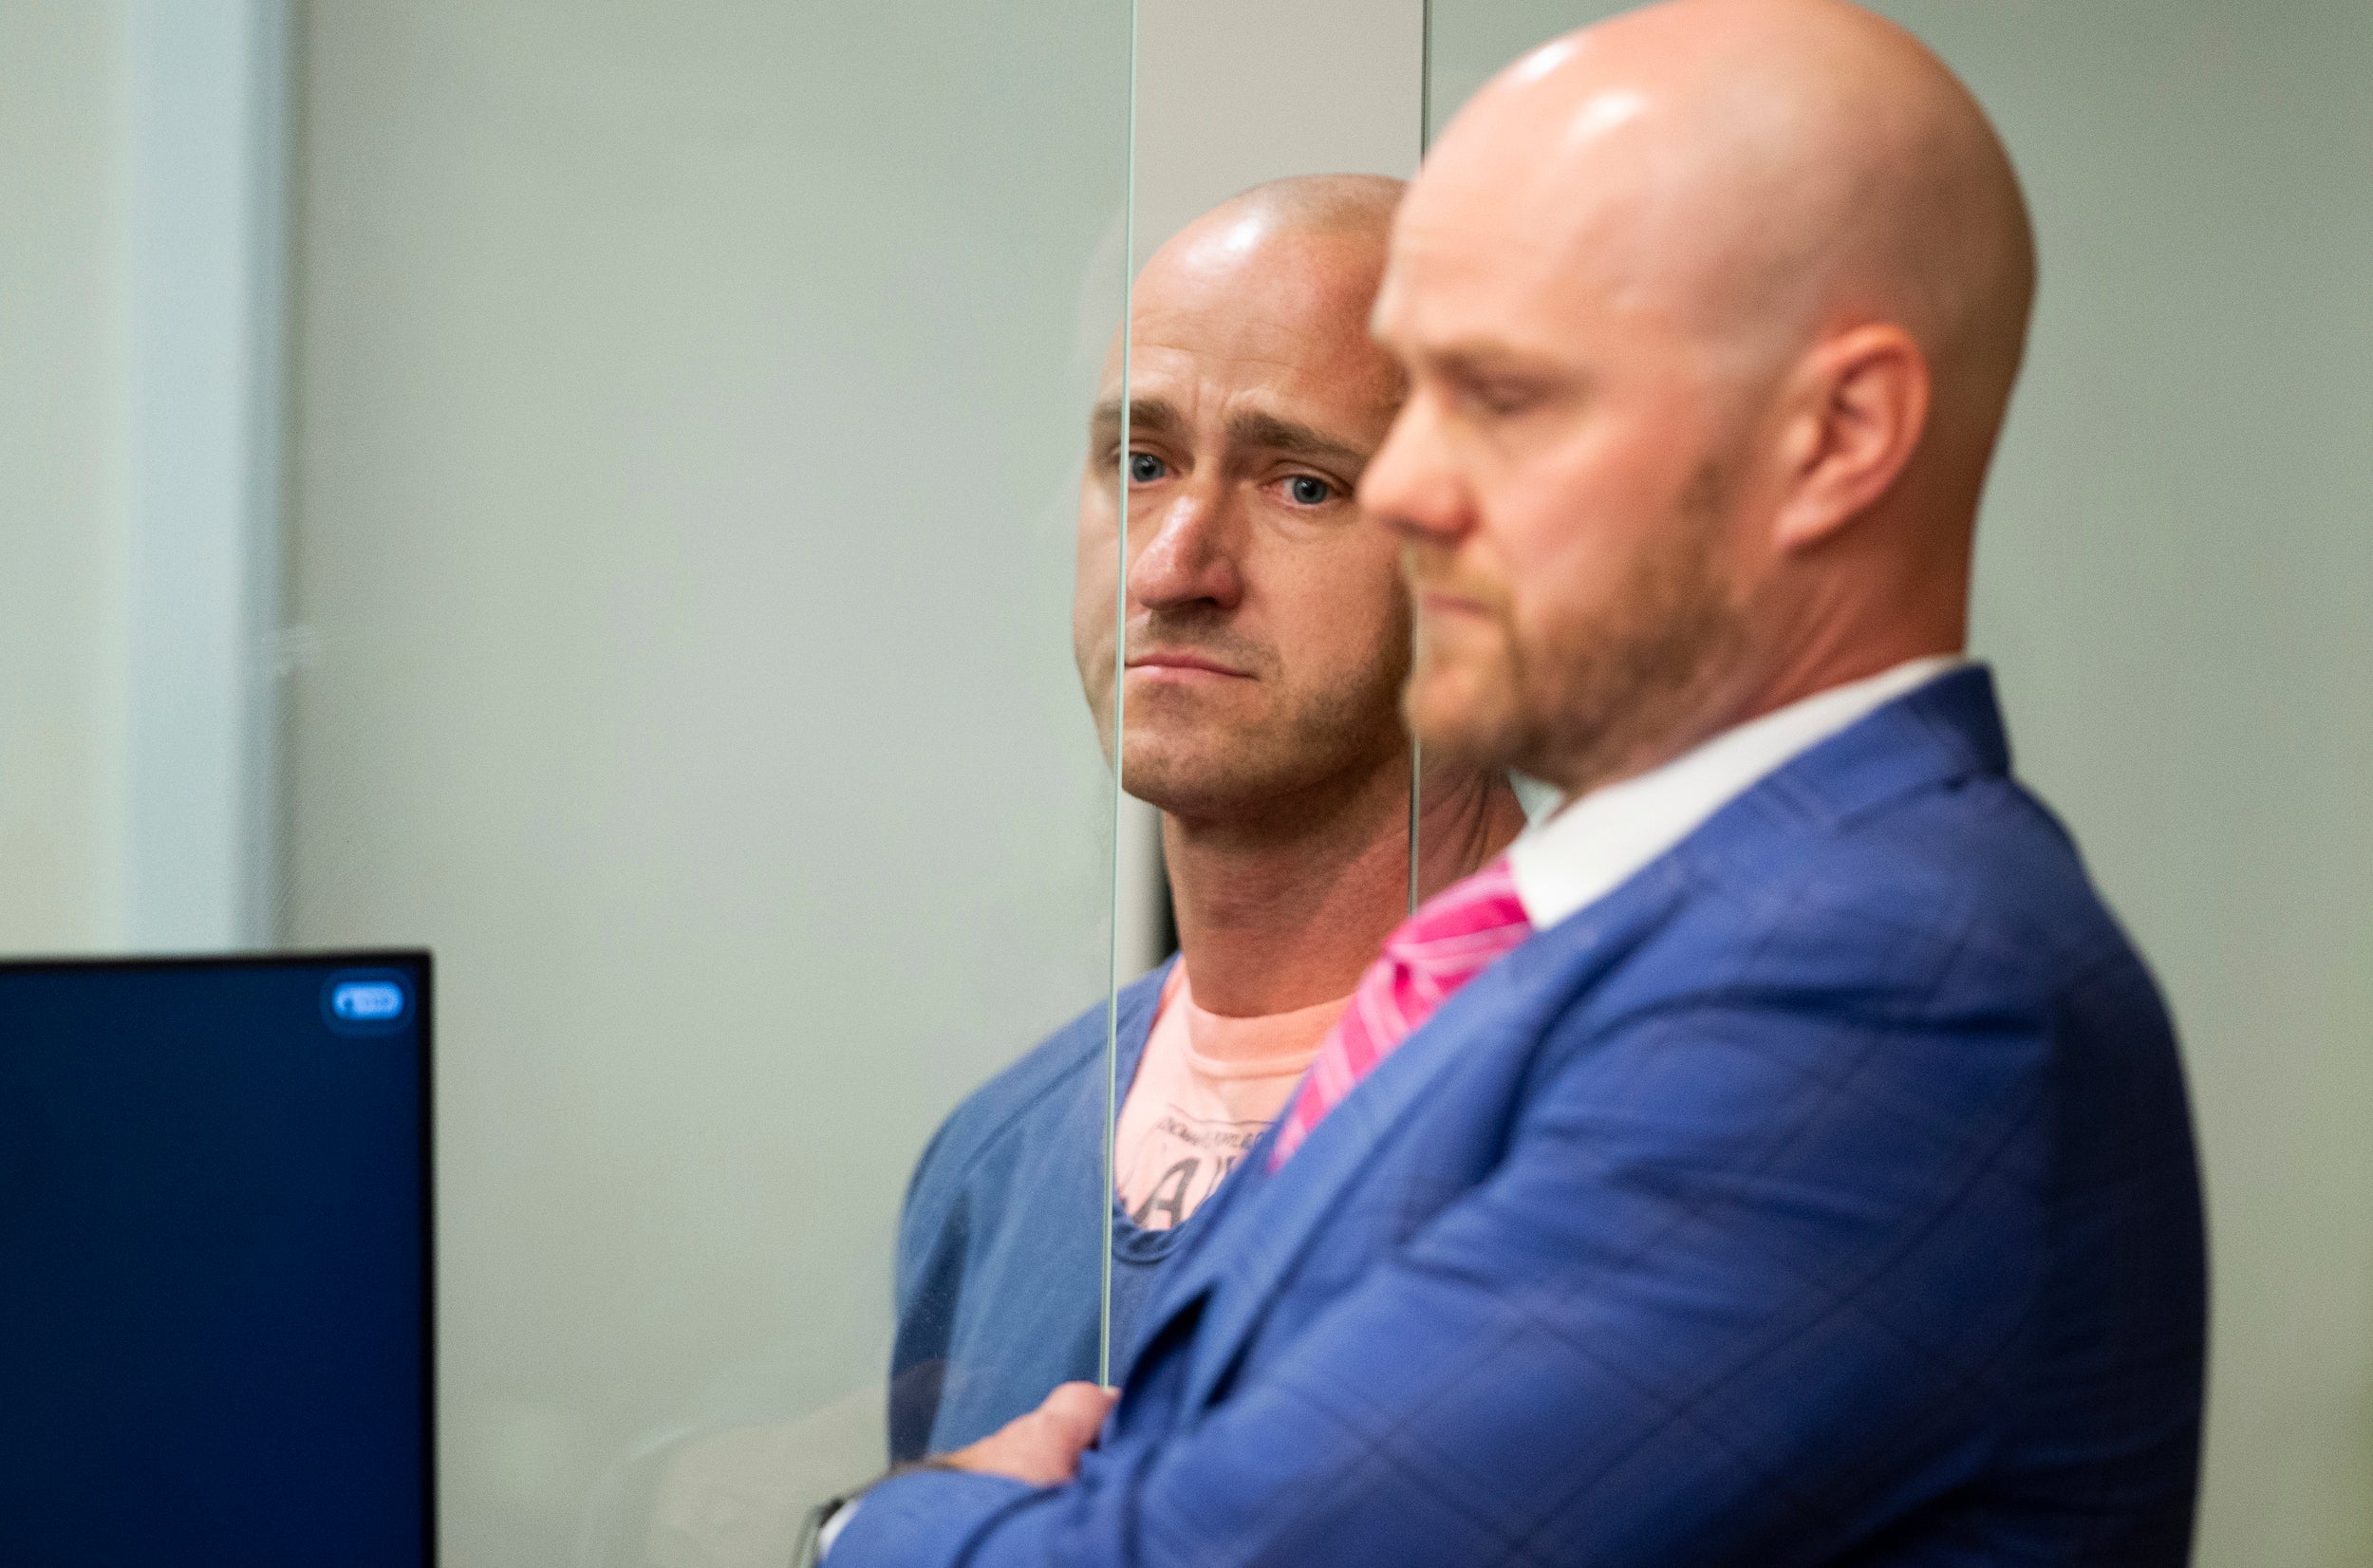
<point x="1113" y="463"/>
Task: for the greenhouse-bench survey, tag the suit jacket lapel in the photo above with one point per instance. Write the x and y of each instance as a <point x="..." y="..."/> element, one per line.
<point x="1276" y="1217"/>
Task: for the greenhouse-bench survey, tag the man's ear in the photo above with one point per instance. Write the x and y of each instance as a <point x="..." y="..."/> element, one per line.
<point x="1860" y="407"/>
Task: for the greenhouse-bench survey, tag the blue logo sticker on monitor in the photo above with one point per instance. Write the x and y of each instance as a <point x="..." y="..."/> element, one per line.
<point x="367" y="1002"/>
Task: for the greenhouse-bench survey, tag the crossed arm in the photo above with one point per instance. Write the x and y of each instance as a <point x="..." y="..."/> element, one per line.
<point x="1742" y="1290"/>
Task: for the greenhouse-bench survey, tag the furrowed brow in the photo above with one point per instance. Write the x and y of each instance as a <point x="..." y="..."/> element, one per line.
<point x="1292" y="439"/>
<point x="1147" y="417"/>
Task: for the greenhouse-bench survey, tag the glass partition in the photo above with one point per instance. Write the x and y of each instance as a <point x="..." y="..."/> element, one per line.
<point x="687" y="416"/>
<point x="1260" y="628"/>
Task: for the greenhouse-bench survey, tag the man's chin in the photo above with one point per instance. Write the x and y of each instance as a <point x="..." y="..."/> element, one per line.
<point x="1186" y="789"/>
<point x="1207" y="783"/>
<point x="1156" y="769"/>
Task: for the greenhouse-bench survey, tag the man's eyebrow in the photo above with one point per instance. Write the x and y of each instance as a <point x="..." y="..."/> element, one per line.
<point x="1149" y="416"/>
<point x="1489" y="361"/>
<point x="1292" y="439"/>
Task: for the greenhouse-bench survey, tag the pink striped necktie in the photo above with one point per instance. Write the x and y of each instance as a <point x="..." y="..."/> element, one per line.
<point x="1453" y="937"/>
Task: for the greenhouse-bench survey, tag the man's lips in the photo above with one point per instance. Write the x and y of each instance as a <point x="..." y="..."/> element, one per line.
<point x="1184" y="664"/>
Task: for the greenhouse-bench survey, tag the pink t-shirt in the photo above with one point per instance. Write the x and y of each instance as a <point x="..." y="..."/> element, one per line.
<point x="1206" y="1088"/>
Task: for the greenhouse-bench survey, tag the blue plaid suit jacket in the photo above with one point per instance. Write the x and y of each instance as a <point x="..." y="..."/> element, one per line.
<point x="1824" y="1195"/>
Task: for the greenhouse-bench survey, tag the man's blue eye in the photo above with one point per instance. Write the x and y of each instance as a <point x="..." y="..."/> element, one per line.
<point x="1308" y="491"/>
<point x="1144" y="468"/>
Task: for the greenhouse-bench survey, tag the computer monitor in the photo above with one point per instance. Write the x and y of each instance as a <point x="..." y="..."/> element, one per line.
<point x="215" y="1288"/>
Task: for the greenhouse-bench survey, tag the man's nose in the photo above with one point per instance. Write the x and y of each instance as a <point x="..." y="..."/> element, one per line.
<point x="1186" y="560"/>
<point x="1409" y="486"/>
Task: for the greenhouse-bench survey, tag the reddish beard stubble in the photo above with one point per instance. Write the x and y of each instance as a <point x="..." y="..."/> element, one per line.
<point x="1579" y="697"/>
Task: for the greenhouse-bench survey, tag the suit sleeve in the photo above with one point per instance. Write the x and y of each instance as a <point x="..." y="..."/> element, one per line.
<point x="1750" y="1276"/>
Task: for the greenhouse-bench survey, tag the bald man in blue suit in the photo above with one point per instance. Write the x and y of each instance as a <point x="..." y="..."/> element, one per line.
<point x="1803" y="1174"/>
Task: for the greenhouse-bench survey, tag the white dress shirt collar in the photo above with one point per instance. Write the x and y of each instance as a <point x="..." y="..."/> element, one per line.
<point x="1589" y="846"/>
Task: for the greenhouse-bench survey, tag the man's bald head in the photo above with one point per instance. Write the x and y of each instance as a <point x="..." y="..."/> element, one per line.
<point x="1776" y="169"/>
<point x="1330" y="230"/>
<point x="1715" y="310"/>
<point x="1323" y="204"/>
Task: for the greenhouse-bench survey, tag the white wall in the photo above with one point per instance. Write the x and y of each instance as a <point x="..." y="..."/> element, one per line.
<point x="208" y="168"/>
<point x="1233" y="92"/>
<point x="139" y="249"/>
<point x="2172" y="579"/>
<point x="2173" y="568"/>
<point x="690" y="403"/>
<point x="64" y="201"/>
